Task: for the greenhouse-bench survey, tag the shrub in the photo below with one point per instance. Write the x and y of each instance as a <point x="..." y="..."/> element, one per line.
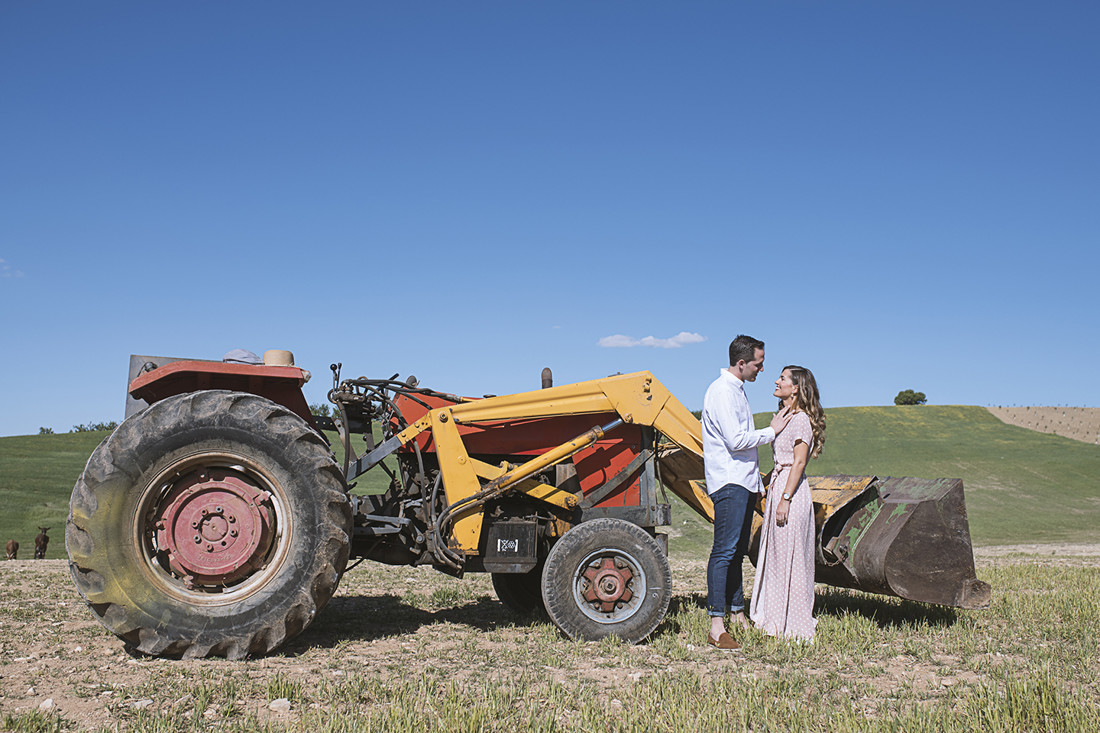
<point x="93" y="427"/>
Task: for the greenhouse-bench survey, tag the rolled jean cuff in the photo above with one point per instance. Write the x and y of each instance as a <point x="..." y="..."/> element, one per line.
<point x="739" y="609"/>
<point x="716" y="614"/>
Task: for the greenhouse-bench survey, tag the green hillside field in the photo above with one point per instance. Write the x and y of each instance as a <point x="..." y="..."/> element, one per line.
<point x="1021" y="486"/>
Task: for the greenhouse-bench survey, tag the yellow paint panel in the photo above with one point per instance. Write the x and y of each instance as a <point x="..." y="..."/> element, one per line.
<point x="570" y="399"/>
<point x="459" y="478"/>
<point x="548" y="493"/>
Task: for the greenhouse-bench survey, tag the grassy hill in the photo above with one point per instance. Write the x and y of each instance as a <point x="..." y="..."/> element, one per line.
<point x="1021" y="486"/>
<point x="37" y="473"/>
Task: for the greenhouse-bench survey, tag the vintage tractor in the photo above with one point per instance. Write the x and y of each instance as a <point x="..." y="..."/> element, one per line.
<point x="217" y="519"/>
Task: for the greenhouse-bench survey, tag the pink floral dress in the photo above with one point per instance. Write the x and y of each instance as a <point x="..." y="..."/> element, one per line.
<point x="783" y="591"/>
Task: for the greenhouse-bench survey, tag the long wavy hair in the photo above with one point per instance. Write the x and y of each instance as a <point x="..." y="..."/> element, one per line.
<point x="808" y="400"/>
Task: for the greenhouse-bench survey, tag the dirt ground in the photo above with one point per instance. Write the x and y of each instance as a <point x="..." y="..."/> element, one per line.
<point x="55" y="657"/>
<point x="1078" y="423"/>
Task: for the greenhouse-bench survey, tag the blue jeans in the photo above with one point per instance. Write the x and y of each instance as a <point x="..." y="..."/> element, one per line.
<point x="732" y="524"/>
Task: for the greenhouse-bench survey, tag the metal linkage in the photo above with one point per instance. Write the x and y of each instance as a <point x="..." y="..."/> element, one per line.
<point x="501" y="485"/>
<point x="363" y="400"/>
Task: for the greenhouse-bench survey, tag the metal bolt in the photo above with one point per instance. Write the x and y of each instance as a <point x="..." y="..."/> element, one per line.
<point x="204" y="511"/>
<point x="194" y="524"/>
<point x="231" y="518"/>
<point x="209" y="548"/>
<point x="217" y="510"/>
<point x="232" y="533"/>
<point x="198" y="539"/>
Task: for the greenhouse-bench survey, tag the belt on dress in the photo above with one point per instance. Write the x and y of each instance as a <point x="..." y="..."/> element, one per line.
<point x="776" y="469"/>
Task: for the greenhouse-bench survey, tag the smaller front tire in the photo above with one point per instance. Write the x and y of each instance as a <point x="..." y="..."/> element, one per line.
<point x="521" y="593"/>
<point x="607" y="577"/>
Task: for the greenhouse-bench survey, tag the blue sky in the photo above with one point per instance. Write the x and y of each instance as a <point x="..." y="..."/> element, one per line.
<point x="895" y="195"/>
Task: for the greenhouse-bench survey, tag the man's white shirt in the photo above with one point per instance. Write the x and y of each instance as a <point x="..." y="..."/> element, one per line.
<point x="729" y="437"/>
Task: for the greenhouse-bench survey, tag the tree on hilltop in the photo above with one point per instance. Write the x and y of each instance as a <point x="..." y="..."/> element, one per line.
<point x="909" y="397"/>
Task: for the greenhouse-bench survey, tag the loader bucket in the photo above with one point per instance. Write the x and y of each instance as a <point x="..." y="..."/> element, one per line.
<point x="905" y="537"/>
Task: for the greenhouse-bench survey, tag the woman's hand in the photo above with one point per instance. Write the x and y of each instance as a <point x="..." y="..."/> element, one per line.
<point x="780" y="420"/>
<point x="782" y="509"/>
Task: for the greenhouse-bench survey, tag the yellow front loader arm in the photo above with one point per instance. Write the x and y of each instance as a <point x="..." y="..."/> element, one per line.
<point x="637" y="398"/>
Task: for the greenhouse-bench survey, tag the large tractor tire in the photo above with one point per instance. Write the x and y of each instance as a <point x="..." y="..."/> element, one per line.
<point x="607" y="577"/>
<point x="520" y="592"/>
<point x="213" y="523"/>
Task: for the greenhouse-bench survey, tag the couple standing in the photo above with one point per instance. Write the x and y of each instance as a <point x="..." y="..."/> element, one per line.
<point x="783" y="593"/>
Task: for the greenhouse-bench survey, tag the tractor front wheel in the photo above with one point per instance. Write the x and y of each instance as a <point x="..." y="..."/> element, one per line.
<point x="211" y="523"/>
<point x="607" y="577"/>
<point x="520" y="592"/>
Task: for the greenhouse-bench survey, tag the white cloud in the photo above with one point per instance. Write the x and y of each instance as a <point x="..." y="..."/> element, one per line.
<point x="619" y="341"/>
<point x="6" y="271"/>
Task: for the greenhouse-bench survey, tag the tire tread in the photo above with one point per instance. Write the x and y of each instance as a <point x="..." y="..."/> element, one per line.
<point x="118" y="462"/>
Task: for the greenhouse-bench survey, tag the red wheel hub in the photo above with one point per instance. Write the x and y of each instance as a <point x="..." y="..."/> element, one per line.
<point x="607" y="584"/>
<point x="216" y="527"/>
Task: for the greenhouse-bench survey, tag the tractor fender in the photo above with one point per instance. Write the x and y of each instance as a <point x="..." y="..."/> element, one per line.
<point x="153" y="379"/>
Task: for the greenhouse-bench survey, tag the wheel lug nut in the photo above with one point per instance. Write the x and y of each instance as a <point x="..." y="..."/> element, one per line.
<point x="232" y="519"/>
<point x="232" y="533"/>
<point x="217" y="510"/>
<point x="209" y="548"/>
<point x="197" y="539"/>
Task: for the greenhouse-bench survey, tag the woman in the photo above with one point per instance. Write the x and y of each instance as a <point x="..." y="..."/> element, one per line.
<point x="783" y="592"/>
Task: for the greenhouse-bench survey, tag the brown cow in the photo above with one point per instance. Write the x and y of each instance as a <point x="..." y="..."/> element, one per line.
<point x="40" y="543"/>
<point x="12" y="548"/>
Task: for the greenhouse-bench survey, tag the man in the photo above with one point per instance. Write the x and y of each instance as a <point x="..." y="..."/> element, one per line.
<point x="733" y="481"/>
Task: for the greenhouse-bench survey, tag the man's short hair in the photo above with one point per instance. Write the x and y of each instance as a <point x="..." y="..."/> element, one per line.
<point x="744" y="347"/>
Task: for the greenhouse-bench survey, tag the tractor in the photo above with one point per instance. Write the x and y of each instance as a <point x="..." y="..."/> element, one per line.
<point x="218" y="519"/>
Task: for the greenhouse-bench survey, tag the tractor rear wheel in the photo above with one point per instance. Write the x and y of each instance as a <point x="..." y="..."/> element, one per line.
<point x="520" y="592"/>
<point x="212" y="523"/>
<point x="607" y="577"/>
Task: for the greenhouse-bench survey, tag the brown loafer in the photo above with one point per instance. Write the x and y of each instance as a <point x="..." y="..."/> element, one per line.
<point x="724" y="641"/>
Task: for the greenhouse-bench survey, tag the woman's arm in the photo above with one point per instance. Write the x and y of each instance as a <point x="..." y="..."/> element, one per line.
<point x="794" y="479"/>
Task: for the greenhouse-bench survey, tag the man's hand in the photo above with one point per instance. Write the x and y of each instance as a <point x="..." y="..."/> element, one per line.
<point x="780" y="420"/>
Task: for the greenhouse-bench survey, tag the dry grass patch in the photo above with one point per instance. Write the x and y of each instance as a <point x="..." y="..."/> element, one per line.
<point x="400" y="648"/>
<point x="1078" y="423"/>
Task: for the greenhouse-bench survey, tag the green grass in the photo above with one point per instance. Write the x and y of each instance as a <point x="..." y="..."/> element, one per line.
<point x="1021" y="486"/>
<point x="37" y="473"/>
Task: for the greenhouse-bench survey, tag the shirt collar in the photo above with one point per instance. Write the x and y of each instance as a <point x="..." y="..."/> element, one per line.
<point x="729" y="375"/>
